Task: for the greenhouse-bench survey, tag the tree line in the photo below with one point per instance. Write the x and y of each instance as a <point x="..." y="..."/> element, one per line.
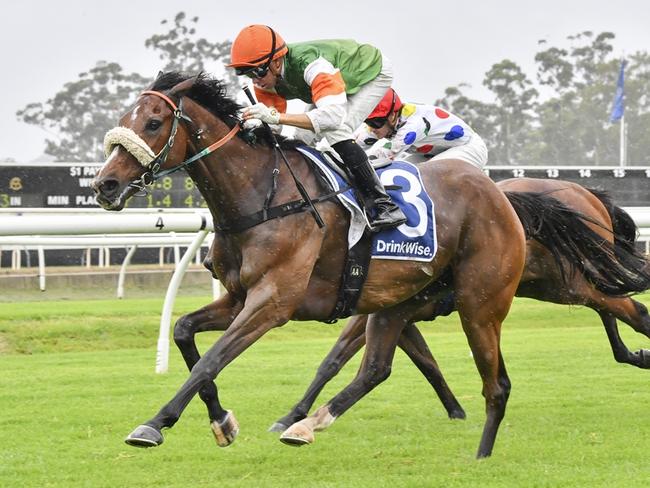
<point x="568" y="125"/>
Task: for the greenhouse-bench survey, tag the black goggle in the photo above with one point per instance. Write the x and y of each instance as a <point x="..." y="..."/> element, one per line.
<point x="253" y="71"/>
<point x="377" y="122"/>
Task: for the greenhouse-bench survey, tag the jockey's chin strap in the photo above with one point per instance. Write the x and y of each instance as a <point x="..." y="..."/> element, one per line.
<point x="153" y="171"/>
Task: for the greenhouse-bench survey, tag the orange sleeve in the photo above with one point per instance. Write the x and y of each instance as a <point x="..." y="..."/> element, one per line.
<point x="271" y="99"/>
<point x="327" y="84"/>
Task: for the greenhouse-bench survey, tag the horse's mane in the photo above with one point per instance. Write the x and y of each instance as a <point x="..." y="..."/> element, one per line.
<point x="211" y="93"/>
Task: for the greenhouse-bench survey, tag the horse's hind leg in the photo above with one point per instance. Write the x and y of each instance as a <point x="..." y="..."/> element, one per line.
<point x="216" y="316"/>
<point x="413" y="344"/>
<point x="382" y="332"/>
<point x="625" y="309"/>
<point x="352" y="338"/>
<point x="484" y="300"/>
<point x="633" y="313"/>
<point x="483" y="338"/>
<point x="639" y="320"/>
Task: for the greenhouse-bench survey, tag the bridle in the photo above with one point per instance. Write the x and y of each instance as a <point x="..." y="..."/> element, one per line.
<point x="152" y="170"/>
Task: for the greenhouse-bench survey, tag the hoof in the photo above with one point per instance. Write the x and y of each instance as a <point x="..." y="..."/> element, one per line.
<point x="278" y="427"/>
<point x="226" y="430"/>
<point x="644" y="359"/>
<point x="297" y="435"/>
<point x="144" y="436"/>
<point x="457" y="414"/>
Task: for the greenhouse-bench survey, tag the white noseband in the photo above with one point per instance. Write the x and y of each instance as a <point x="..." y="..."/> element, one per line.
<point x="129" y="140"/>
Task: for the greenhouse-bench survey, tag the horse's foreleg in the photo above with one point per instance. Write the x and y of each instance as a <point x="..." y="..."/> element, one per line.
<point x="382" y="333"/>
<point x="216" y="316"/>
<point x="258" y="316"/>
<point x="268" y="304"/>
<point x="352" y="339"/>
<point x="413" y="344"/>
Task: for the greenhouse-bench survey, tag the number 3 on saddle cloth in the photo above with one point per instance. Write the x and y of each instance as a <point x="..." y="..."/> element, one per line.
<point x="414" y="240"/>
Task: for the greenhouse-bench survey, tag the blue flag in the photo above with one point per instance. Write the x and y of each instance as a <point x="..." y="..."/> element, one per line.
<point x="618" y="107"/>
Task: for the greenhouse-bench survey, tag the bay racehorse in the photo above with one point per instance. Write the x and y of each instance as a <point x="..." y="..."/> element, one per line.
<point x="543" y="279"/>
<point x="288" y="268"/>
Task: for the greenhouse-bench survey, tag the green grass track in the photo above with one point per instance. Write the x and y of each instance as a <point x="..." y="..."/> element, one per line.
<point x="78" y="376"/>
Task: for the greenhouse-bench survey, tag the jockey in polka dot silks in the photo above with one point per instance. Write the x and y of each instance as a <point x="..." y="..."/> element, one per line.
<point x="418" y="133"/>
<point x="341" y="80"/>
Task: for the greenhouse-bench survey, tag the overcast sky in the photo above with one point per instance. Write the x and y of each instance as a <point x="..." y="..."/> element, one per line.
<point x="432" y="44"/>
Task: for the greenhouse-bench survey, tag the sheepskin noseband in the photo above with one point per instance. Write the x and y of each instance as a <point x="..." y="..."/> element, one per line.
<point x="129" y="140"/>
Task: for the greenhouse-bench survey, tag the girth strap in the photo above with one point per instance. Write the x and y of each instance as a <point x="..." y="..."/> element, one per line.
<point x="296" y="206"/>
<point x="268" y="213"/>
<point x="354" y="276"/>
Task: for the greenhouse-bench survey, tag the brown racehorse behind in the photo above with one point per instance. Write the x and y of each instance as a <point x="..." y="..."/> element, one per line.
<point x="542" y="279"/>
<point x="290" y="269"/>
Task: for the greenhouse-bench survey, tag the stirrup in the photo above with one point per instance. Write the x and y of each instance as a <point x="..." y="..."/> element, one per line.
<point x="387" y="218"/>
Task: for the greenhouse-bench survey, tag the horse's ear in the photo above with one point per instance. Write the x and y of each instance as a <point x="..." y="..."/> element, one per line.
<point x="155" y="79"/>
<point x="183" y="86"/>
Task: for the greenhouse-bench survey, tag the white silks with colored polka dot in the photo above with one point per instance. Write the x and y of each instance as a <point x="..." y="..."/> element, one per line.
<point x="427" y="131"/>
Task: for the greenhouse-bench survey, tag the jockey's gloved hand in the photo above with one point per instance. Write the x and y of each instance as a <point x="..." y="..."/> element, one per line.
<point x="251" y="124"/>
<point x="261" y="112"/>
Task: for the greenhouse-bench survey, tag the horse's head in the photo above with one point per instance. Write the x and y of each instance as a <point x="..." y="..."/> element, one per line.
<point x="151" y="137"/>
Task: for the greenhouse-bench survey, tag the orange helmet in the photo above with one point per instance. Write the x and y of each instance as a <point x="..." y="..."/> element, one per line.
<point x="256" y="45"/>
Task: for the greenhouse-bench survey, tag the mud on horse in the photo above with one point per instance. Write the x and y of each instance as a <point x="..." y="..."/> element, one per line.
<point x="289" y="269"/>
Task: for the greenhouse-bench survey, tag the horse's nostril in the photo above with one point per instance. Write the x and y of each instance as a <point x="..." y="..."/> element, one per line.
<point x="108" y="187"/>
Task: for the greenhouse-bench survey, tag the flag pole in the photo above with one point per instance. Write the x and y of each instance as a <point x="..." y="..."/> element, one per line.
<point x="618" y="112"/>
<point x="622" y="137"/>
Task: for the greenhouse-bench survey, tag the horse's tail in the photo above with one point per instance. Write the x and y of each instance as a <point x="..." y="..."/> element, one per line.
<point x="625" y="230"/>
<point x="575" y="246"/>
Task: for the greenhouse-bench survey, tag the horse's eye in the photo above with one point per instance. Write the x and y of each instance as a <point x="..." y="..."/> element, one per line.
<point x="153" y="125"/>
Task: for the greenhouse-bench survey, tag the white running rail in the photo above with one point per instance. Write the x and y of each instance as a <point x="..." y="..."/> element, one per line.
<point x="26" y="227"/>
<point x="76" y="229"/>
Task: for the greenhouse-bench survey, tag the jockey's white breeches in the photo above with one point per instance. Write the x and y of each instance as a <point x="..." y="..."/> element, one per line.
<point x="474" y="152"/>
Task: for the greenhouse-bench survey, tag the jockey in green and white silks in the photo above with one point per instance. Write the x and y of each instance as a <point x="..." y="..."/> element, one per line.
<point x="341" y="80"/>
<point x="418" y="133"/>
<point x="308" y="74"/>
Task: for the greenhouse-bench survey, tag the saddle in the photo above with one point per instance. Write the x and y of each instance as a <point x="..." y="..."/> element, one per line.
<point x="362" y="243"/>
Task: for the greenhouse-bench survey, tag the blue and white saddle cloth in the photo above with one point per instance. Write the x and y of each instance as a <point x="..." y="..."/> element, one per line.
<point x="414" y="240"/>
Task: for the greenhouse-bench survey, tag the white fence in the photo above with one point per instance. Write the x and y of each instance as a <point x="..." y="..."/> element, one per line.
<point x="23" y="244"/>
<point x="95" y="228"/>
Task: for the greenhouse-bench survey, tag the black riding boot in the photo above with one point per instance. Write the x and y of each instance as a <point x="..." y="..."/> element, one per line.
<point x="382" y="211"/>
